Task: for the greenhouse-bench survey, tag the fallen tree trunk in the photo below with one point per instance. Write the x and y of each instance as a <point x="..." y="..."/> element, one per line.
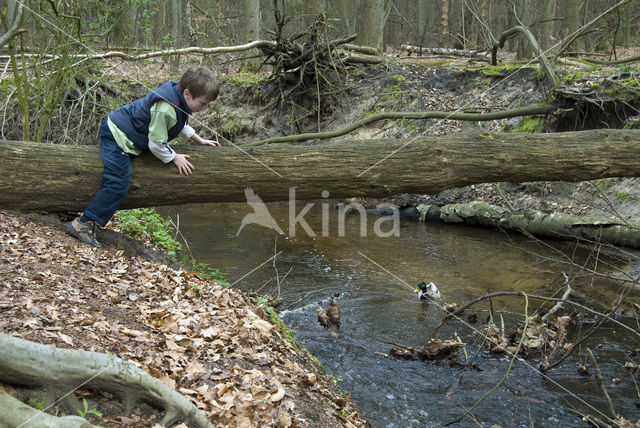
<point x="64" y="178"/>
<point x="554" y="225"/>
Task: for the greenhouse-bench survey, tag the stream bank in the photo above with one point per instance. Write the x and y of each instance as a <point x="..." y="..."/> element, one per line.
<point x="213" y="344"/>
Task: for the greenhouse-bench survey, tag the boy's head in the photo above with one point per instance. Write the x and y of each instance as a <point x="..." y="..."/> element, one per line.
<point x="200" y="83"/>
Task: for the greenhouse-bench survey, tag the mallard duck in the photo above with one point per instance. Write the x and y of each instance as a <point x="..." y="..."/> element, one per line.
<point x="428" y="291"/>
<point x="329" y="317"/>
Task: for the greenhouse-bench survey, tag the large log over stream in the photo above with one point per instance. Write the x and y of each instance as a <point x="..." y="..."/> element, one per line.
<point x="64" y="178"/>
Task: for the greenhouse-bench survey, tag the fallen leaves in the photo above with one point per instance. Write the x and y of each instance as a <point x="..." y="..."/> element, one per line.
<point x="202" y="339"/>
<point x="538" y="336"/>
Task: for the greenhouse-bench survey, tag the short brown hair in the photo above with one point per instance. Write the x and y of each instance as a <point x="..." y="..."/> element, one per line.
<point x="200" y="81"/>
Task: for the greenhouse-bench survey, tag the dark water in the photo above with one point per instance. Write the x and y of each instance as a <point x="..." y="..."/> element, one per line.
<point x="375" y="277"/>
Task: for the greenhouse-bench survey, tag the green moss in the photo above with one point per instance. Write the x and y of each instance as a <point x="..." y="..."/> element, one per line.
<point x="390" y="95"/>
<point x="250" y="67"/>
<point x="528" y="124"/>
<point x="498" y="70"/>
<point x="436" y="63"/>
<point x="246" y="80"/>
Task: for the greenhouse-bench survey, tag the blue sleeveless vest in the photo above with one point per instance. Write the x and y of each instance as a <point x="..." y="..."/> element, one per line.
<point x="133" y="119"/>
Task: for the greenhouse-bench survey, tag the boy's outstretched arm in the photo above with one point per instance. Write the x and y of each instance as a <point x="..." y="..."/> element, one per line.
<point x="189" y="132"/>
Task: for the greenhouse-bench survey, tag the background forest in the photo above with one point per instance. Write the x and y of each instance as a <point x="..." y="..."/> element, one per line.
<point x="465" y="24"/>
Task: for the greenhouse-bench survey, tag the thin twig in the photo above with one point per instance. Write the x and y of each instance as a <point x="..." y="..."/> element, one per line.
<point x="531" y="296"/>
<point x="559" y="304"/>
<point x="513" y="358"/>
<point x="598" y="376"/>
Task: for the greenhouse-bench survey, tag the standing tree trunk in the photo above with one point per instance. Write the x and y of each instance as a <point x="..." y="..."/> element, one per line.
<point x="481" y="38"/>
<point x="572" y="23"/>
<point x="423" y="21"/>
<point x="371" y="28"/>
<point x="252" y="31"/>
<point x="176" y="12"/>
<point x="546" y="20"/>
<point x="312" y="10"/>
<point x="444" y="22"/>
<point x="347" y="15"/>
<point x="525" y="14"/>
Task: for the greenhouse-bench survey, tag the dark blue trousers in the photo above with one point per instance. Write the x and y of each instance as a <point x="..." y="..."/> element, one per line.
<point x="116" y="177"/>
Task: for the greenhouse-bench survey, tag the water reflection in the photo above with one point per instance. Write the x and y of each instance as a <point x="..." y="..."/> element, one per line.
<point x="375" y="277"/>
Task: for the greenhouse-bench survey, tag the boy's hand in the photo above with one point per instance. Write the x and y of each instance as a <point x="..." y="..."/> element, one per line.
<point x="212" y="143"/>
<point x="184" y="166"/>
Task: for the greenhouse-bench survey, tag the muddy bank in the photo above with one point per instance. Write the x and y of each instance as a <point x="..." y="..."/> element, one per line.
<point x="213" y="344"/>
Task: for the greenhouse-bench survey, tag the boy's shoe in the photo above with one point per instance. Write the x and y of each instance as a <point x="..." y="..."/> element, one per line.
<point x="86" y="232"/>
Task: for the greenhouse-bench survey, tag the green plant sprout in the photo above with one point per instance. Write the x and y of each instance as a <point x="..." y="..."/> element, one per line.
<point x="87" y="411"/>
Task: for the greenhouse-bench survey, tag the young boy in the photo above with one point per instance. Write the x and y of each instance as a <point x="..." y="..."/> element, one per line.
<point x="150" y="122"/>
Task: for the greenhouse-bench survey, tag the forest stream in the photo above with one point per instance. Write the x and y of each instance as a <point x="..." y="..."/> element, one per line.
<point x="374" y="277"/>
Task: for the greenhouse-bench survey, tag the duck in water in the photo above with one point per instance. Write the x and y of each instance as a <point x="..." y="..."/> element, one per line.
<point x="428" y="291"/>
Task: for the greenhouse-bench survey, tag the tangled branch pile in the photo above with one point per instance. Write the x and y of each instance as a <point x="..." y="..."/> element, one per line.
<point x="308" y="79"/>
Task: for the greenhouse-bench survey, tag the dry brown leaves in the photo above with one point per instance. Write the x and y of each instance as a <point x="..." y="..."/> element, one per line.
<point x="539" y="336"/>
<point x="206" y="341"/>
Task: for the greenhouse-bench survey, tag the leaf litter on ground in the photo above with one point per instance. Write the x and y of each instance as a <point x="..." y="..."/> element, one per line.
<point x="207" y="341"/>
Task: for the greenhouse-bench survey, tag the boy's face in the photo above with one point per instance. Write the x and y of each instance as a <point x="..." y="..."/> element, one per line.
<point x="195" y="104"/>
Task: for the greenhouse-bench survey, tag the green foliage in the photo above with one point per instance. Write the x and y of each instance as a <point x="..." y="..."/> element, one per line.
<point x="37" y="402"/>
<point x="204" y="270"/>
<point x="632" y="123"/>
<point x="87" y="411"/>
<point x="528" y="124"/>
<point x="603" y="184"/>
<point x="147" y="223"/>
<point x="628" y="69"/>
<point x="622" y="196"/>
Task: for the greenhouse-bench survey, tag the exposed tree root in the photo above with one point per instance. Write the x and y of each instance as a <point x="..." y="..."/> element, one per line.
<point x="504" y="114"/>
<point x="17" y="414"/>
<point x="32" y="364"/>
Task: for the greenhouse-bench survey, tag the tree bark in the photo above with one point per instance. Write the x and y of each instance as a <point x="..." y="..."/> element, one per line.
<point x="10" y="22"/>
<point x="555" y="225"/>
<point x="60" y="178"/>
<point x="313" y="9"/>
<point x="444" y="23"/>
<point x="29" y="363"/>
<point x="547" y="17"/>
<point x="371" y="24"/>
